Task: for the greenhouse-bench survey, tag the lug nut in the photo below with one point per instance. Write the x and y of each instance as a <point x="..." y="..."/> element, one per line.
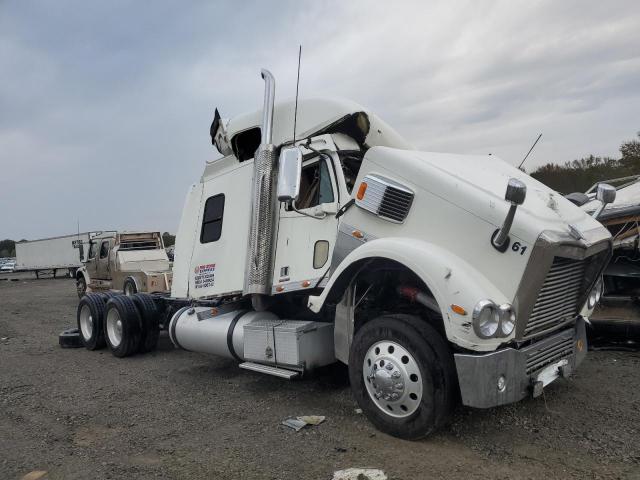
<point x="399" y="386"/>
<point x="389" y="366"/>
<point x="396" y="374"/>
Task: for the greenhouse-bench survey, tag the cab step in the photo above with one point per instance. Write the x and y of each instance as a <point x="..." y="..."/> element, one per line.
<point x="269" y="370"/>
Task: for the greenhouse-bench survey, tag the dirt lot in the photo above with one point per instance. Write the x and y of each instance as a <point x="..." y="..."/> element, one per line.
<point x="173" y="414"/>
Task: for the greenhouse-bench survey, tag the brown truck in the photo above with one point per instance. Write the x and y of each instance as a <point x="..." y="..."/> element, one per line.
<point x="130" y="262"/>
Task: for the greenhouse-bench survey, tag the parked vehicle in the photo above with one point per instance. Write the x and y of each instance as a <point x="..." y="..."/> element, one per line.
<point x="342" y="243"/>
<point x="130" y="261"/>
<point x="7" y="266"/>
<point x="50" y="255"/>
<point x="617" y="316"/>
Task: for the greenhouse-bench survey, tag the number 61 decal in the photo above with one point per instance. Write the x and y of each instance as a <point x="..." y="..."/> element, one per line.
<point x="516" y="247"/>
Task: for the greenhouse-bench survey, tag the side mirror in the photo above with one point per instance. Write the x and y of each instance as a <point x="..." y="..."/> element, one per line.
<point x="515" y="194"/>
<point x="606" y="194"/>
<point x="289" y="172"/>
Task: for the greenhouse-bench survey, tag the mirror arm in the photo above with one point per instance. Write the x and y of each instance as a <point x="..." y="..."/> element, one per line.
<point x="295" y="209"/>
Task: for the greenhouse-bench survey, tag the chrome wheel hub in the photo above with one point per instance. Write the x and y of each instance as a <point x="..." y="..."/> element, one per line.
<point x="86" y="322"/>
<point x="114" y="327"/>
<point x="392" y="378"/>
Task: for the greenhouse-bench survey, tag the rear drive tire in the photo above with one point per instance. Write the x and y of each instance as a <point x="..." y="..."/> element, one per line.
<point x="122" y="326"/>
<point x="90" y="316"/>
<point x="129" y="288"/>
<point x="403" y="376"/>
<point x="150" y="316"/>
<point x="81" y="286"/>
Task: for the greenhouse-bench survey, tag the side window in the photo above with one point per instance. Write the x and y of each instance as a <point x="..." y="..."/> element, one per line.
<point x="104" y="249"/>
<point x="212" y="219"/>
<point x="92" y="250"/>
<point x="315" y="185"/>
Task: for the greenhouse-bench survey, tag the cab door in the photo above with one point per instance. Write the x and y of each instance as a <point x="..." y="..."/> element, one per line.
<point x="306" y="237"/>
<point x="91" y="263"/>
<point x="102" y="262"/>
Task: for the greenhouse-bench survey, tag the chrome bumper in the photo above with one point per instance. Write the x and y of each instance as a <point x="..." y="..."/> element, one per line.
<point x="525" y="371"/>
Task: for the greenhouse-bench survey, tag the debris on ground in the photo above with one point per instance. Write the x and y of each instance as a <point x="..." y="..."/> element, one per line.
<point x="35" y="475"/>
<point x="358" y="411"/>
<point x="301" y="422"/>
<point x="359" y="474"/>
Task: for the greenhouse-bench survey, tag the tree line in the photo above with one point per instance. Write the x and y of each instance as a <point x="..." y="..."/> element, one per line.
<point x="579" y="175"/>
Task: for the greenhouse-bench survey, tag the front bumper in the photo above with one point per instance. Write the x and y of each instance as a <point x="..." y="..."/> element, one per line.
<point x="525" y="371"/>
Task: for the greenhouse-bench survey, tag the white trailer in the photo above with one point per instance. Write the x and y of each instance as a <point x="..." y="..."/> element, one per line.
<point x="436" y="278"/>
<point x="48" y="255"/>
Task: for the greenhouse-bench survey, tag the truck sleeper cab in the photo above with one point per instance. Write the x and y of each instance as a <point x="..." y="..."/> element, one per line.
<point x="413" y="268"/>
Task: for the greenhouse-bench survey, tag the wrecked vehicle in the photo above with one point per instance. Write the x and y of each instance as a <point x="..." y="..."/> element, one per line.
<point x="131" y="262"/>
<point x="617" y="315"/>
<point x="343" y="243"/>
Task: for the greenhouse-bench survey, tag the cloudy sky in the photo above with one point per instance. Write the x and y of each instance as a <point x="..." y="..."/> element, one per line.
<point x="105" y="106"/>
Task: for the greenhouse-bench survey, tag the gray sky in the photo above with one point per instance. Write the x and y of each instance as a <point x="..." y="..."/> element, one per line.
<point x="105" y="106"/>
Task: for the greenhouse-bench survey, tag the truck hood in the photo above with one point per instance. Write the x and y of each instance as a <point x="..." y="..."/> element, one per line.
<point x="477" y="183"/>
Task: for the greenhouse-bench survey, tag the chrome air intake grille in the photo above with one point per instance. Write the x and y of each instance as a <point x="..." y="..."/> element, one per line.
<point x="557" y="301"/>
<point x="552" y="352"/>
<point x="386" y="198"/>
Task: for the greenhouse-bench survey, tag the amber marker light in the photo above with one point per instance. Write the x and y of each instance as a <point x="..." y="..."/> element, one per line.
<point x="279" y="288"/>
<point x="580" y="345"/>
<point x="458" y="309"/>
<point x="361" y="190"/>
<point x="357" y="234"/>
<point x="306" y="283"/>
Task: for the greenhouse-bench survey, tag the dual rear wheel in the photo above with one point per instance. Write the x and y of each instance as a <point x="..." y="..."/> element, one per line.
<point x="125" y="324"/>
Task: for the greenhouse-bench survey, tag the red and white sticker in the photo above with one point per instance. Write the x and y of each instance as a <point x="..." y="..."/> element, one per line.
<point x="204" y="275"/>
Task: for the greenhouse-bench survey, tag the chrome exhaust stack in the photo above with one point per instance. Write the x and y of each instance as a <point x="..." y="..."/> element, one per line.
<point x="258" y="274"/>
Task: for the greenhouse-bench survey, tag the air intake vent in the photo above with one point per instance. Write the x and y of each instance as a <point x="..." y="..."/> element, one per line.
<point x="386" y="198"/>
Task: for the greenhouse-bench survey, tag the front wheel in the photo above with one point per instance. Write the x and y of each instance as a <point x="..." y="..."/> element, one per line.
<point x="129" y="287"/>
<point x="81" y="286"/>
<point x="403" y="375"/>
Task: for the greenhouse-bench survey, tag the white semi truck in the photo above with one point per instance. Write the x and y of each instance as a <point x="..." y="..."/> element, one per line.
<point x="343" y="243"/>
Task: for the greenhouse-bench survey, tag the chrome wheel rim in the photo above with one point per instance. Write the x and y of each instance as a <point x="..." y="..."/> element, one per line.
<point x="392" y="378"/>
<point x="114" y="327"/>
<point x="86" y="322"/>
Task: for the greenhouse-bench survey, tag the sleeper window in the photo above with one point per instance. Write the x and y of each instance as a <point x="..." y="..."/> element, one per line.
<point x="104" y="249"/>
<point x="212" y="219"/>
<point x="315" y="185"/>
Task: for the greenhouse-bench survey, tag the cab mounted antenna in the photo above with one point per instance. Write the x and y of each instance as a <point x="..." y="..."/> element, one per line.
<point x="527" y="155"/>
<point x="295" y="112"/>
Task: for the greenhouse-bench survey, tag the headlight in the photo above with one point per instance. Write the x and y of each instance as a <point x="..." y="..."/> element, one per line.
<point x="595" y="294"/>
<point x="490" y="321"/>
<point x="486" y="319"/>
<point x="507" y="319"/>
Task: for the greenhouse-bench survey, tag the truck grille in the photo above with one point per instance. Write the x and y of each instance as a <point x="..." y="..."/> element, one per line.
<point x="552" y="352"/>
<point x="557" y="301"/>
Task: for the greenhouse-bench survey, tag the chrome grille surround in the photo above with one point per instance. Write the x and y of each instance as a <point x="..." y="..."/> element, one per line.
<point x="550" y="294"/>
<point x="386" y="198"/>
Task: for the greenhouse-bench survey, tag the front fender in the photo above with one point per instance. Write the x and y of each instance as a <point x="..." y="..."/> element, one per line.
<point x="450" y="279"/>
<point x="83" y="271"/>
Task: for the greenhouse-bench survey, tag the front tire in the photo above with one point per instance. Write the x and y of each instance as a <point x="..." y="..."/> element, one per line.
<point x="129" y="287"/>
<point x="403" y="376"/>
<point x="81" y="286"/>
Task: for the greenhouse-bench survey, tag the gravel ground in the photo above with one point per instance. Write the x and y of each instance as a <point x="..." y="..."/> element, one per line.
<point x="174" y="414"/>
